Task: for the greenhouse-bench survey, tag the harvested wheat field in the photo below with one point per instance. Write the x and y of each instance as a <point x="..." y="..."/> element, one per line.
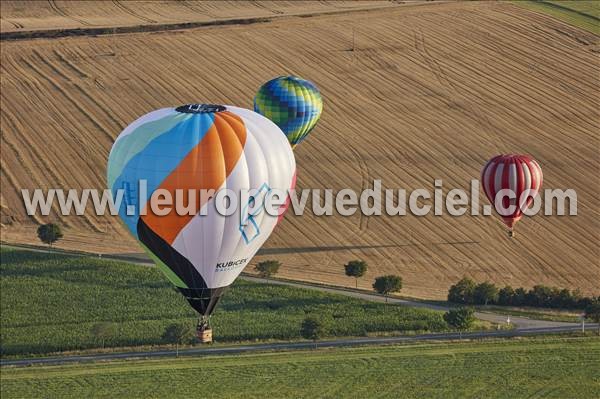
<point x="36" y="15"/>
<point x="428" y="92"/>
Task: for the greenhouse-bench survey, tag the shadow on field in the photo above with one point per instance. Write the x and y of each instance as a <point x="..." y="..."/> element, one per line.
<point x="21" y="256"/>
<point x="302" y="250"/>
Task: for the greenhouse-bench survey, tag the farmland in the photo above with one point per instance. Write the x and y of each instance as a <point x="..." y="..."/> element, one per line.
<point x="53" y="15"/>
<point x="550" y="368"/>
<point x="422" y="92"/>
<point x="584" y="14"/>
<point x="50" y="302"/>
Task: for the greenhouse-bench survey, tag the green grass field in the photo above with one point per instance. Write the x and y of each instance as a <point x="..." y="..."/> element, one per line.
<point x="581" y="13"/>
<point x="527" y="368"/>
<point x="49" y="303"/>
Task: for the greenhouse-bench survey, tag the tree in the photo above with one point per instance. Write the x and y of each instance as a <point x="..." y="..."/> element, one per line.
<point x="267" y="268"/>
<point x="462" y="292"/>
<point x="485" y="293"/>
<point x="178" y="333"/>
<point x="563" y="299"/>
<point x="356" y="269"/>
<point x="592" y="312"/>
<point x="313" y="328"/>
<point x="584" y="302"/>
<point x="49" y="233"/>
<point x="519" y="297"/>
<point x="385" y="285"/>
<point x="461" y="318"/>
<point x="103" y="331"/>
<point x="576" y="298"/>
<point x="539" y="295"/>
<point x="506" y="296"/>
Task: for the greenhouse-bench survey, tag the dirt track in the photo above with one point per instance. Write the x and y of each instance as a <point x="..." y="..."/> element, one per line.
<point x="429" y="92"/>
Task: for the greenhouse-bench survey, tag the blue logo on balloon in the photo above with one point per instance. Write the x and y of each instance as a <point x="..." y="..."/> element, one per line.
<point x="248" y="226"/>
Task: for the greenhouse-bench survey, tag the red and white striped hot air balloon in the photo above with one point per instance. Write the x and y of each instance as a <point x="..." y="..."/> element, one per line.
<point x="519" y="174"/>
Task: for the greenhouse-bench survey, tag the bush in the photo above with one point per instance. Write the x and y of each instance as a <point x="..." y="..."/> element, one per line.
<point x="461" y="318"/>
<point x="313" y="328"/>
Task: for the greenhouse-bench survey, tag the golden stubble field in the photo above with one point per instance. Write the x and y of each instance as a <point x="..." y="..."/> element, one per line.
<point x="33" y="15"/>
<point x="430" y="91"/>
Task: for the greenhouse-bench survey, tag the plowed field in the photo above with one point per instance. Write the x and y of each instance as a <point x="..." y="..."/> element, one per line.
<point x="425" y="92"/>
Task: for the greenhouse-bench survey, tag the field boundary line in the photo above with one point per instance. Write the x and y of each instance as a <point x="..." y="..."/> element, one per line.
<point x="160" y="27"/>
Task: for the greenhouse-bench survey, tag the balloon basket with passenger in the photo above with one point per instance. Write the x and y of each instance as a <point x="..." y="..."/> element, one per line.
<point x="204" y="331"/>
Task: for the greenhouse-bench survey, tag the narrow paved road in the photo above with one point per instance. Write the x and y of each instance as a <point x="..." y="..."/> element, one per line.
<point x="287" y="346"/>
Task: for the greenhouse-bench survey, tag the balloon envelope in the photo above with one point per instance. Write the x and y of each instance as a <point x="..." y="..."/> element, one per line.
<point x="199" y="147"/>
<point x="519" y="173"/>
<point x="293" y="103"/>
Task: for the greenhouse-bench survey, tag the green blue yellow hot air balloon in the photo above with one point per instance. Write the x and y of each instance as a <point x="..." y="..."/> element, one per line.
<point x="293" y="103"/>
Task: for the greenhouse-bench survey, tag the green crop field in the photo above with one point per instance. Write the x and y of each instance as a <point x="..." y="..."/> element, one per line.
<point x="582" y="13"/>
<point x="50" y="302"/>
<point x="527" y="368"/>
<point x="589" y="7"/>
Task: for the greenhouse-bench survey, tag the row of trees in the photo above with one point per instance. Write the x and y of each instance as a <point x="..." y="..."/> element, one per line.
<point x="467" y="291"/>
<point x="384" y="285"/>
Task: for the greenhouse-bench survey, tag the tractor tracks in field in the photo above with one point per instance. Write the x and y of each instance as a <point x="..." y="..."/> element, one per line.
<point x="134" y="14"/>
<point x="364" y="184"/>
<point x="59" y="11"/>
<point x="268" y="9"/>
<point x="433" y="64"/>
<point x="190" y="5"/>
<point x="151" y="25"/>
<point x="15" y="25"/>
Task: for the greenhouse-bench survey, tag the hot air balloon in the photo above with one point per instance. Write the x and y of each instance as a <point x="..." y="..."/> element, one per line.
<point x="294" y="104"/>
<point x="199" y="147"/>
<point x="519" y="173"/>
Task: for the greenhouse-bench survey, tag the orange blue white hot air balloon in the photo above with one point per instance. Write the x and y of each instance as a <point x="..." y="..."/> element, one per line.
<point x="519" y="174"/>
<point x="199" y="147"/>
